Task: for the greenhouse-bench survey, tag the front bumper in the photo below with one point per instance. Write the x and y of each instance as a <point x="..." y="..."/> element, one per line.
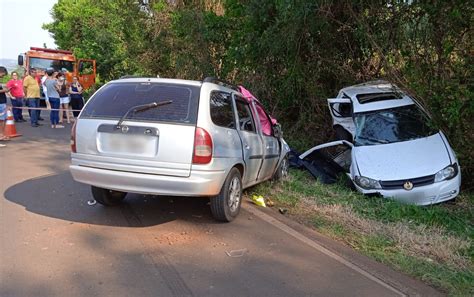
<point x="424" y="195"/>
<point x="199" y="183"/>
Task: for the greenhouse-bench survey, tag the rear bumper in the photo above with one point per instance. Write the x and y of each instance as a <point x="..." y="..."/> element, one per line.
<point x="425" y="195"/>
<point x="199" y="183"/>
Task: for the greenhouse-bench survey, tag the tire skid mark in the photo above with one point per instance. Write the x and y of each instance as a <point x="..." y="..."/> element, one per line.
<point x="161" y="263"/>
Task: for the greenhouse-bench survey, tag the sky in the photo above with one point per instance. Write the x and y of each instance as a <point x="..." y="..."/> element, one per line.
<point x="20" y="26"/>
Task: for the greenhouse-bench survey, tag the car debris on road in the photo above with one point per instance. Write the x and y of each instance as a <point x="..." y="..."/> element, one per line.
<point x="236" y="253"/>
<point x="258" y="200"/>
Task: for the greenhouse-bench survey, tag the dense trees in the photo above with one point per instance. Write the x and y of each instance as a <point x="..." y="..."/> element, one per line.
<point x="292" y="54"/>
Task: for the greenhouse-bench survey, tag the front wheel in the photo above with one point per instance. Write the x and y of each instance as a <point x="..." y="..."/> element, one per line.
<point x="107" y="197"/>
<point x="282" y="170"/>
<point x="226" y="205"/>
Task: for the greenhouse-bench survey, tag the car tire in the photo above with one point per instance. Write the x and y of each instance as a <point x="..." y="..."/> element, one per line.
<point x="226" y="205"/>
<point x="282" y="170"/>
<point x="107" y="197"/>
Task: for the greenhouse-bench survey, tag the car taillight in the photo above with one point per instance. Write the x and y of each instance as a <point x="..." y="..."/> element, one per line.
<point x="73" y="138"/>
<point x="202" y="147"/>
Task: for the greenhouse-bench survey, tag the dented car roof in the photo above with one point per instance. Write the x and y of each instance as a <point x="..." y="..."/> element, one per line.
<point x="381" y="98"/>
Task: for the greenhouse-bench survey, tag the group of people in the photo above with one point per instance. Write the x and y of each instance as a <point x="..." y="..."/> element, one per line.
<point x="60" y="97"/>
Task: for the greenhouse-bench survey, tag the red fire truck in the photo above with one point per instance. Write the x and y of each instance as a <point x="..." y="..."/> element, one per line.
<point x="60" y="60"/>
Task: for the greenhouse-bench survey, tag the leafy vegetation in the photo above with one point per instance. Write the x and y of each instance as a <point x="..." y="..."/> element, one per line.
<point x="291" y="54"/>
<point x="434" y="244"/>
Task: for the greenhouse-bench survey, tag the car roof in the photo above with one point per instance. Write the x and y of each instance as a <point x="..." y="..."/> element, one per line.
<point x="158" y="80"/>
<point x="382" y="95"/>
<point x="138" y="79"/>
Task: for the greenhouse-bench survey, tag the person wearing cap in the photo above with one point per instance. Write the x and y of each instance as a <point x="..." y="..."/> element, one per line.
<point x="16" y="95"/>
<point x="3" y="106"/>
<point x="32" y="94"/>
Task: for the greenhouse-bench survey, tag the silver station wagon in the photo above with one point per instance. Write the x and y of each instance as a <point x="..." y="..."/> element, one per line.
<point x="176" y="137"/>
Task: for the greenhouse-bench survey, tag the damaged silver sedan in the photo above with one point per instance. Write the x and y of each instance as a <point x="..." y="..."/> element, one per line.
<point x="387" y="146"/>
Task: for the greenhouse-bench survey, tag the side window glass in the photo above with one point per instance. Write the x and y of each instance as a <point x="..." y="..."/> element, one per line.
<point x="246" y="122"/>
<point x="341" y="110"/>
<point x="221" y="110"/>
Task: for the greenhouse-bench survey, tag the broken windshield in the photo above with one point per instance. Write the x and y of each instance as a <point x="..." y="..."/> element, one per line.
<point x="391" y="125"/>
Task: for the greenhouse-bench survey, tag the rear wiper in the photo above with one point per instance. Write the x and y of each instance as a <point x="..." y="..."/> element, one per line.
<point x="140" y="108"/>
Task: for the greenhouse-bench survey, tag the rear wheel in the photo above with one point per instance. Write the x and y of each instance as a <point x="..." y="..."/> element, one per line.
<point x="107" y="197"/>
<point x="226" y="205"/>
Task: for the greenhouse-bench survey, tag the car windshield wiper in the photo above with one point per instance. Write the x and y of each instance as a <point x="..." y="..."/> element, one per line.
<point x="141" y="108"/>
<point x="373" y="140"/>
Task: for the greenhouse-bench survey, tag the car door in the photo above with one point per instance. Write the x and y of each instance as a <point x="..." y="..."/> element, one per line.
<point x="86" y="72"/>
<point x="341" y="113"/>
<point x="252" y="146"/>
<point x="326" y="161"/>
<point x="271" y="147"/>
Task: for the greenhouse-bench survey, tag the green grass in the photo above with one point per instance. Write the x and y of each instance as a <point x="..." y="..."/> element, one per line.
<point x="457" y="220"/>
<point x="456" y="282"/>
<point x="450" y="220"/>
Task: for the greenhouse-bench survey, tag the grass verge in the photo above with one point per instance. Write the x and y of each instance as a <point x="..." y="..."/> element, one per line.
<point x="434" y="243"/>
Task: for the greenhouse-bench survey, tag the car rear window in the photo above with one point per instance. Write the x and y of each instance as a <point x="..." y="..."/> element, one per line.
<point x="115" y="99"/>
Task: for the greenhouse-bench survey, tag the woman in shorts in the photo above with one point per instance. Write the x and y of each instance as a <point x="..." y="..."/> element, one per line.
<point x="63" y="98"/>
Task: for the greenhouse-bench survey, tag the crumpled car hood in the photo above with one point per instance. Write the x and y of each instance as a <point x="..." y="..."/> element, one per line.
<point x="402" y="160"/>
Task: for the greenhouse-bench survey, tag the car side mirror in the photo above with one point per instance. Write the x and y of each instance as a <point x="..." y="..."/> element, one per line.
<point x="20" y="60"/>
<point x="81" y="67"/>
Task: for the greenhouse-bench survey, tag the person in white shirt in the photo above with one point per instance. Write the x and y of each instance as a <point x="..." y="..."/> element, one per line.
<point x="45" y="89"/>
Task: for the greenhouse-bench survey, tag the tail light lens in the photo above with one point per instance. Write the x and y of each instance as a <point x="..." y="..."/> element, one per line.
<point x="73" y="137"/>
<point x="202" y="147"/>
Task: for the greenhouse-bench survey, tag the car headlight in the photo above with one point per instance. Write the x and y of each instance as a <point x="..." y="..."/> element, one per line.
<point x="447" y="173"/>
<point x="367" y="183"/>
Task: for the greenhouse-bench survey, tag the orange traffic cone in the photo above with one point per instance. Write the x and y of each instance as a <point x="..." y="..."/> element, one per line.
<point x="10" y="130"/>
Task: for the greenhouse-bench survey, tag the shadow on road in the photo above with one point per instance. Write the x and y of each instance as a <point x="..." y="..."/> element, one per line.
<point x="59" y="196"/>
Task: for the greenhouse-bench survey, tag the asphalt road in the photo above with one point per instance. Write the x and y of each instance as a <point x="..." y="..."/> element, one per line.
<point x="52" y="243"/>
